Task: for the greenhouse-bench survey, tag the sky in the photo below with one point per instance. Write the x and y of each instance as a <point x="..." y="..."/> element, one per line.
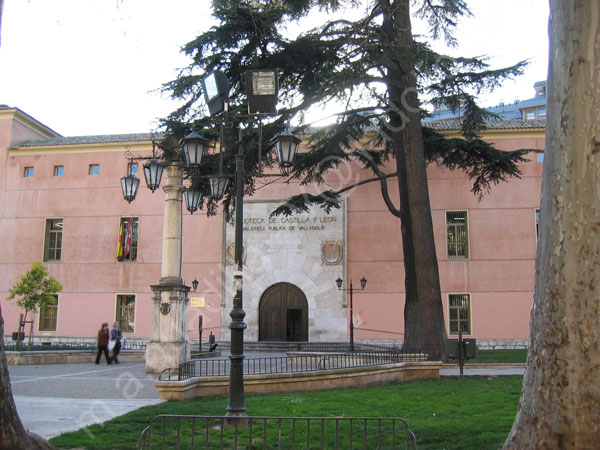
<point x="87" y="67"/>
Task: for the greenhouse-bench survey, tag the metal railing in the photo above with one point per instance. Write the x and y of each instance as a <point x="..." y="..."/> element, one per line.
<point x="219" y="432"/>
<point x="288" y="364"/>
<point x="345" y="347"/>
<point x="70" y="345"/>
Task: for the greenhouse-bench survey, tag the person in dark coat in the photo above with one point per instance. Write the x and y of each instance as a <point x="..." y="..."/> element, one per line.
<point x="116" y="335"/>
<point x="103" y="337"/>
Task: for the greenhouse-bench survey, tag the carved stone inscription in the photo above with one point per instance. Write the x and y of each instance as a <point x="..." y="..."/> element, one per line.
<point x="305" y="250"/>
<point x="288" y="223"/>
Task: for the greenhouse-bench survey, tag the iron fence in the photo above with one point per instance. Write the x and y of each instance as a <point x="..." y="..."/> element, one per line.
<point x="345" y="347"/>
<point x="212" y="432"/>
<point x="70" y="345"/>
<point x="288" y="364"/>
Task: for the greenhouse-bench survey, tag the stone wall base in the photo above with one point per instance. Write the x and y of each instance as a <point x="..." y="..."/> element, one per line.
<point x="66" y="357"/>
<point x="502" y="344"/>
<point x="482" y="344"/>
<point x="296" y="382"/>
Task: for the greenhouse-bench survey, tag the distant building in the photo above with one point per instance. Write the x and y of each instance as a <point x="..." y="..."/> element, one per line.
<point x="531" y="109"/>
<point x="61" y="202"/>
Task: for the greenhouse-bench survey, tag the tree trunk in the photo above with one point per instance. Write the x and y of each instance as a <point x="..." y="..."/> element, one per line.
<point x="413" y="339"/>
<point x="12" y="434"/>
<point x="560" y="402"/>
<point x="418" y="240"/>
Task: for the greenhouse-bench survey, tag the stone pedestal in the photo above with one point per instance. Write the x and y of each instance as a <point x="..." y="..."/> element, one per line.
<point x="169" y="346"/>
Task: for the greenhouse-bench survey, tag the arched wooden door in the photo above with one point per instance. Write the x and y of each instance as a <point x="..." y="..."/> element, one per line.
<point x="283" y="314"/>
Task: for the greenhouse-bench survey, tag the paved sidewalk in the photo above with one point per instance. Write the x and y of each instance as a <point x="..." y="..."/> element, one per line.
<point x="57" y="398"/>
<point x="449" y="371"/>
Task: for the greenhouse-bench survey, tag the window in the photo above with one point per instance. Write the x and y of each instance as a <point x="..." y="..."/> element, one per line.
<point x="53" y="240"/>
<point x="48" y="315"/>
<point x="542" y="112"/>
<point x="457" y="234"/>
<point x="127" y="244"/>
<point x="28" y="172"/>
<point x="94" y="169"/>
<point x="59" y="171"/>
<point x="537" y="223"/>
<point x="459" y="306"/>
<point x="529" y="115"/>
<point x="126" y="312"/>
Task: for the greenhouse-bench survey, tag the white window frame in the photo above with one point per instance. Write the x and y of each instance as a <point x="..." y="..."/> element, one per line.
<point x="452" y="257"/>
<point x="46" y="235"/>
<point x="118" y="319"/>
<point x="470" y="310"/>
<point x="39" y="320"/>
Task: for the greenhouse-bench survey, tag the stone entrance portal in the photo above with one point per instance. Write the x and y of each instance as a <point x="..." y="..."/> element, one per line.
<point x="283" y="314"/>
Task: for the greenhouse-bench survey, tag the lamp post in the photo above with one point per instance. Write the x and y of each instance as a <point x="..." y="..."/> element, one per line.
<point x="262" y="90"/>
<point x="363" y="283"/>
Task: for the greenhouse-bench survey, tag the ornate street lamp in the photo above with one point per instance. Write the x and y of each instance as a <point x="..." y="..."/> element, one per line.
<point x="218" y="186"/>
<point x="153" y="171"/>
<point x="193" y="196"/>
<point x="363" y="283"/>
<point x="129" y="186"/>
<point x="193" y="146"/>
<point x="262" y="88"/>
<point x="286" y="145"/>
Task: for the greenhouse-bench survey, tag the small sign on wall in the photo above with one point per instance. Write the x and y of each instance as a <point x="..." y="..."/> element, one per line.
<point x="197" y="302"/>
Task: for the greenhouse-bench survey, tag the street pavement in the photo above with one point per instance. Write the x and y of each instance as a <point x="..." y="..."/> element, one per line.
<point x="57" y="398"/>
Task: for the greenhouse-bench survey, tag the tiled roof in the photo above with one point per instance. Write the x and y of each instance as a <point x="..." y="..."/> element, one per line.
<point x="506" y="124"/>
<point x="504" y="111"/>
<point x="87" y="140"/>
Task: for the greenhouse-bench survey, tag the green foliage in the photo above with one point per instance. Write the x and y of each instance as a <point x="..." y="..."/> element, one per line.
<point x="35" y="288"/>
<point x="449" y="413"/>
<point x="344" y="60"/>
<point x="364" y="59"/>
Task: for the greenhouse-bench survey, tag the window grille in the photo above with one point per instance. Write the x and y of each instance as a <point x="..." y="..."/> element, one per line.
<point x="457" y="235"/>
<point x="460" y="313"/>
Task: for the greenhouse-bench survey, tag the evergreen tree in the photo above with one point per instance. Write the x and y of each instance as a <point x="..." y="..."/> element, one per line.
<point x="378" y="70"/>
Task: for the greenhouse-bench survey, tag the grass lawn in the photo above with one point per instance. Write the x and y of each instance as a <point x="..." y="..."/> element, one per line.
<point x="500" y="356"/>
<point x="450" y="413"/>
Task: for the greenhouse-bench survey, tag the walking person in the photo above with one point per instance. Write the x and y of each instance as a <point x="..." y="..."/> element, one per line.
<point x="116" y="335"/>
<point x="103" y="337"/>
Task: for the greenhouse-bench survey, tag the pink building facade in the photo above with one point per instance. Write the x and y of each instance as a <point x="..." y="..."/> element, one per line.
<point x="61" y="203"/>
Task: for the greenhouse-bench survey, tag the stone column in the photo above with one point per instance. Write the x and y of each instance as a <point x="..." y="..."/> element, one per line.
<point x="169" y="345"/>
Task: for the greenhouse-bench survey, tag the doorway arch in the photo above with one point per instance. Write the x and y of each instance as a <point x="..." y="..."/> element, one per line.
<point x="283" y="314"/>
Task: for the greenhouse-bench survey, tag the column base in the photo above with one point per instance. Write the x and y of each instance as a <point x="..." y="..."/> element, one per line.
<point x="166" y="355"/>
<point x="237" y="420"/>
